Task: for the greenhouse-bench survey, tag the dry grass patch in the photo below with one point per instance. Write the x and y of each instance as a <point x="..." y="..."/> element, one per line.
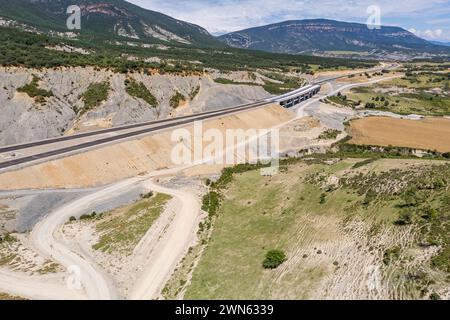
<point x="122" y="229"/>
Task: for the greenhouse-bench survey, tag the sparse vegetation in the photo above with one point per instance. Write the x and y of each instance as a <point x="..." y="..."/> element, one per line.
<point x="33" y="90"/>
<point x="176" y="100"/>
<point x="7" y="237"/>
<point x="139" y="90"/>
<point x="342" y="100"/>
<point x="194" y="93"/>
<point x="91" y="216"/>
<point x="95" y="94"/>
<point x="5" y="296"/>
<point x="121" y="230"/>
<point x="246" y="223"/>
<point x="329" y="134"/>
<point x="421" y="93"/>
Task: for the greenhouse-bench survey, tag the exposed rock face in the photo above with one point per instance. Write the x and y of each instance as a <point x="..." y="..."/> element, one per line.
<point x="320" y="35"/>
<point x="24" y="119"/>
<point x="107" y="18"/>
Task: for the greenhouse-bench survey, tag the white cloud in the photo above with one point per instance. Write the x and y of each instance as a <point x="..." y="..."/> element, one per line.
<point x="219" y="16"/>
<point x="437" y="34"/>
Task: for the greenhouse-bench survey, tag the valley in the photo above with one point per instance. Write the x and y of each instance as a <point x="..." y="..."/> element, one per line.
<point x="144" y="158"/>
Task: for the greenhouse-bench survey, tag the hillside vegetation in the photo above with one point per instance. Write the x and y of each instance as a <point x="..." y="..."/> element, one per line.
<point x="139" y="90"/>
<point x="95" y="94"/>
<point x="350" y="229"/>
<point x="420" y="91"/>
<point x="26" y="49"/>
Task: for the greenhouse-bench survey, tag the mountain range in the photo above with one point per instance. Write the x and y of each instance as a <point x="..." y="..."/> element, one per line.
<point x="321" y="35"/>
<point x="439" y="43"/>
<point x="119" y="19"/>
<point x="108" y="18"/>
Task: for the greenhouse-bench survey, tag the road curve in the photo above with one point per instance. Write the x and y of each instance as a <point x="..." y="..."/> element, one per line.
<point x="94" y="281"/>
<point x="92" y="278"/>
<point x="171" y="248"/>
<point x="30" y="287"/>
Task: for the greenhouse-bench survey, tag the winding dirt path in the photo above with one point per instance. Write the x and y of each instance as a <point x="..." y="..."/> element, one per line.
<point x="92" y="279"/>
<point x="171" y="248"/>
<point x="36" y="288"/>
<point x="95" y="283"/>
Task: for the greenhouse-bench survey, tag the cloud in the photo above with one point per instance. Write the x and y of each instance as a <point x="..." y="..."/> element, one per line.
<point x="437" y="34"/>
<point x="220" y="16"/>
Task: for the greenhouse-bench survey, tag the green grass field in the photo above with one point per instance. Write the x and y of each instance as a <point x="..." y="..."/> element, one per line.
<point x="304" y="216"/>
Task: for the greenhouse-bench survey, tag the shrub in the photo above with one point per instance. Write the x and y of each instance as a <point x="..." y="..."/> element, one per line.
<point x="93" y="215"/>
<point x="95" y="94"/>
<point x="139" y="90"/>
<point x="211" y="203"/>
<point x="7" y="238"/>
<point x="391" y="255"/>
<point x="194" y="93"/>
<point x="329" y="134"/>
<point x="404" y="218"/>
<point x="274" y="258"/>
<point x="176" y="100"/>
<point x="33" y="90"/>
<point x="147" y="195"/>
<point x="435" y="296"/>
<point x="323" y="198"/>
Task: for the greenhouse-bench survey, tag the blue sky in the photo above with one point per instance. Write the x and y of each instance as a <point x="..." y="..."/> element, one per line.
<point x="429" y="19"/>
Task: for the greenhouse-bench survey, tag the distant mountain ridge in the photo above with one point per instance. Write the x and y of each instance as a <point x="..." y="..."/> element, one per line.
<point x="109" y="18"/>
<point x="321" y="35"/>
<point x="439" y="43"/>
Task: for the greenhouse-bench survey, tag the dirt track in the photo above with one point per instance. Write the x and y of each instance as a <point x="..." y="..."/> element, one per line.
<point x="167" y="253"/>
<point x="171" y="248"/>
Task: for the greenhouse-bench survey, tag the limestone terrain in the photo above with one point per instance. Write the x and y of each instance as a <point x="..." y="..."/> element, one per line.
<point x="25" y="118"/>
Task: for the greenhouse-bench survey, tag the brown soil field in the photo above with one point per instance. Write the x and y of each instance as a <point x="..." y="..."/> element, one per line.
<point x="428" y="134"/>
<point x="129" y="158"/>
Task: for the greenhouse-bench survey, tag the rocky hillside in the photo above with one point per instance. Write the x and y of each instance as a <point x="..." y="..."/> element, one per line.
<point x="106" y="18"/>
<point x="320" y="35"/>
<point x="38" y="104"/>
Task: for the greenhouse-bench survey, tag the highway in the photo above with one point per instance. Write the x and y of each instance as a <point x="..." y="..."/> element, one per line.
<point x="99" y="137"/>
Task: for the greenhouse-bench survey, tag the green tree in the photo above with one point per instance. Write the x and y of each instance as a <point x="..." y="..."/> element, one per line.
<point x="273" y="259"/>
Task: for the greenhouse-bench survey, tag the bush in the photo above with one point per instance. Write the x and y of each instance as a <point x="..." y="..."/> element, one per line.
<point x="147" y="195"/>
<point x="404" y="219"/>
<point x="95" y="94"/>
<point x="7" y="238"/>
<point x="391" y="255"/>
<point x="274" y="258"/>
<point x="176" y="100"/>
<point x="329" y="134"/>
<point x="435" y="296"/>
<point x="194" y="93"/>
<point x="211" y="203"/>
<point x="33" y="90"/>
<point x="139" y="90"/>
<point x="323" y="198"/>
<point x="93" y="215"/>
